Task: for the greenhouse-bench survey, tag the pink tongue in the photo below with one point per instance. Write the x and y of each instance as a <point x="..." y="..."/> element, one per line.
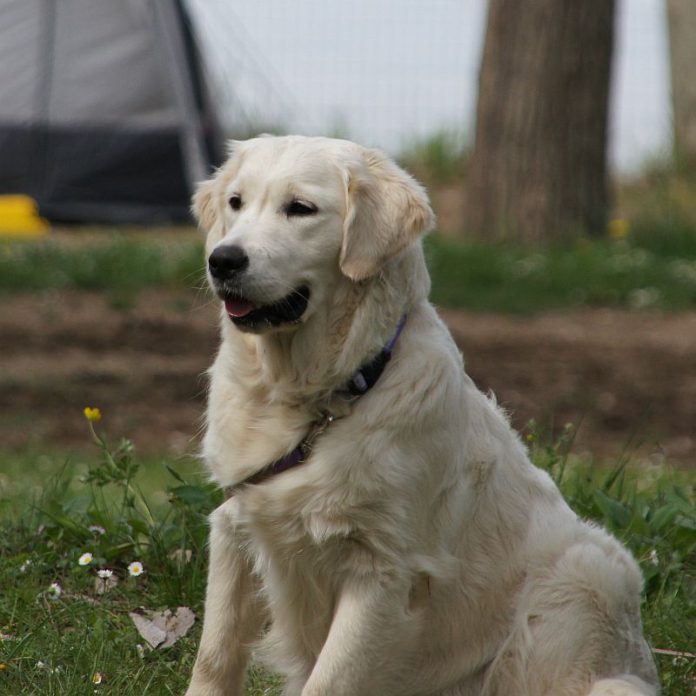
<point x="238" y="308"/>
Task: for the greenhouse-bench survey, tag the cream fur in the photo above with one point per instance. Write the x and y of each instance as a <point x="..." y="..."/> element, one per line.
<point x="418" y="551"/>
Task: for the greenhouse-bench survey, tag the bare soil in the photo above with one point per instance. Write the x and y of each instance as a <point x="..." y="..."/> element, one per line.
<point x="627" y="379"/>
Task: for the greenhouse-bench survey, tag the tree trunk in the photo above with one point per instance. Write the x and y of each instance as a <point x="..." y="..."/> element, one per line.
<point x="538" y="169"/>
<point x="682" y="49"/>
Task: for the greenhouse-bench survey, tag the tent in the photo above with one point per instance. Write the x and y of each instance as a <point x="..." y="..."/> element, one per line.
<point x="105" y="115"/>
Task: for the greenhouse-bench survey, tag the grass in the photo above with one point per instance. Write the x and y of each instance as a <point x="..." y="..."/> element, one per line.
<point x="120" y="264"/>
<point x="120" y="512"/>
<point x="24" y="473"/>
<point x="654" y="266"/>
<point x="486" y="277"/>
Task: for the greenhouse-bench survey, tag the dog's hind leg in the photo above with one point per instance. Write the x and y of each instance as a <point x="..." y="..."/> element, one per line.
<point x="233" y="614"/>
<point x="577" y="626"/>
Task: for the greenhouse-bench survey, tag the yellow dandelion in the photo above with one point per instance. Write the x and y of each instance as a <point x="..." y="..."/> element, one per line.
<point x="2" y="666"/>
<point x="92" y="414"/>
<point x="618" y="228"/>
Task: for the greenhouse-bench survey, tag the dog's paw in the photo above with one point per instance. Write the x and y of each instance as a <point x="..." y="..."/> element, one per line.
<point x="623" y="686"/>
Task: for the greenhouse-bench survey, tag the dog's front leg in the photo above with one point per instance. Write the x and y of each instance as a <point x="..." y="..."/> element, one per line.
<point x="233" y="615"/>
<point x="370" y="639"/>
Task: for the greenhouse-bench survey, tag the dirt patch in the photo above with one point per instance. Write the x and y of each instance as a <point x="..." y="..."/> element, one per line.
<point x="628" y="379"/>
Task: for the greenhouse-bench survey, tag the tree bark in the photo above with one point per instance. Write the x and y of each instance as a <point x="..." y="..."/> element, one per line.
<point x="538" y="171"/>
<point x="682" y="49"/>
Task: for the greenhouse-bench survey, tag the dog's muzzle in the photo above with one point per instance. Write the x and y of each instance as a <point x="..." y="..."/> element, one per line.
<point x="227" y="264"/>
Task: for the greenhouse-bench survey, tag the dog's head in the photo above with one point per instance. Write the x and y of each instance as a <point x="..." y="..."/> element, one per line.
<point x="288" y="218"/>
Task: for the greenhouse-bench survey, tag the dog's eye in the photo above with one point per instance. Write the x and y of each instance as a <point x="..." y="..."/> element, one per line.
<point x="300" y="208"/>
<point x="235" y="202"/>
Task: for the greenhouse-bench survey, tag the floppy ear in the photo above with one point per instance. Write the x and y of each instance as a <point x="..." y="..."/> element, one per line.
<point x="387" y="210"/>
<point x="204" y="204"/>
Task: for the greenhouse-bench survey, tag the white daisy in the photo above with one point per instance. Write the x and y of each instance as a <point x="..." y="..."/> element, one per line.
<point x="105" y="574"/>
<point x="85" y="559"/>
<point x="55" y="590"/>
<point x="135" y="569"/>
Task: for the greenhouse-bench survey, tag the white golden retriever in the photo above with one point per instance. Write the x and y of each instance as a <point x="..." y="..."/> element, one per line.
<point x="408" y="546"/>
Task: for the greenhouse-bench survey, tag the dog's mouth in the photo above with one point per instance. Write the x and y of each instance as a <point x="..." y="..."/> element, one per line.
<point x="248" y="315"/>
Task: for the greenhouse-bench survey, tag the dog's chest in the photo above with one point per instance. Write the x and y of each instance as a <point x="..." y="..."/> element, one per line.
<point x="309" y="518"/>
<point x="243" y="437"/>
<point x="300" y="554"/>
<point x="295" y="520"/>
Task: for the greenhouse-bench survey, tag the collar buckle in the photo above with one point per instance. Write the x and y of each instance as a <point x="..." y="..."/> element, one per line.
<point x="325" y="420"/>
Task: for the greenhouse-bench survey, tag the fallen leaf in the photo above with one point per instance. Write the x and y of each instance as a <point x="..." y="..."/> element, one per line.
<point x="181" y="557"/>
<point x="161" y="629"/>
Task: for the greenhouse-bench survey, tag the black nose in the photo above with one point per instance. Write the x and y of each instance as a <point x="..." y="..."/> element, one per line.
<point x="227" y="260"/>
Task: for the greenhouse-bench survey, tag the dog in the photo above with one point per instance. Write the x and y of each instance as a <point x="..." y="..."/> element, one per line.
<point x="384" y="532"/>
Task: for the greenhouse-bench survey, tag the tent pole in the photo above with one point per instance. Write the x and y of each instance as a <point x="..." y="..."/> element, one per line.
<point x="165" y="21"/>
<point x="44" y="95"/>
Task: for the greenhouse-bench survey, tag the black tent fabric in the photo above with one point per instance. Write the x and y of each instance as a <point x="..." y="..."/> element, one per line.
<point x="105" y="115"/>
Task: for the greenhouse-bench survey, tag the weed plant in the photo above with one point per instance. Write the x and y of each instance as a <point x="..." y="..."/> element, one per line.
<point x="440" y="159"/>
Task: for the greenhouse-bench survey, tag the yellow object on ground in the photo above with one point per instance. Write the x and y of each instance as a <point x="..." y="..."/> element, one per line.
<point x="19" y="218"/>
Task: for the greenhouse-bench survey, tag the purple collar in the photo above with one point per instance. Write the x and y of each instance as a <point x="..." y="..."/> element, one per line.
<point x="359" y="384"/>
